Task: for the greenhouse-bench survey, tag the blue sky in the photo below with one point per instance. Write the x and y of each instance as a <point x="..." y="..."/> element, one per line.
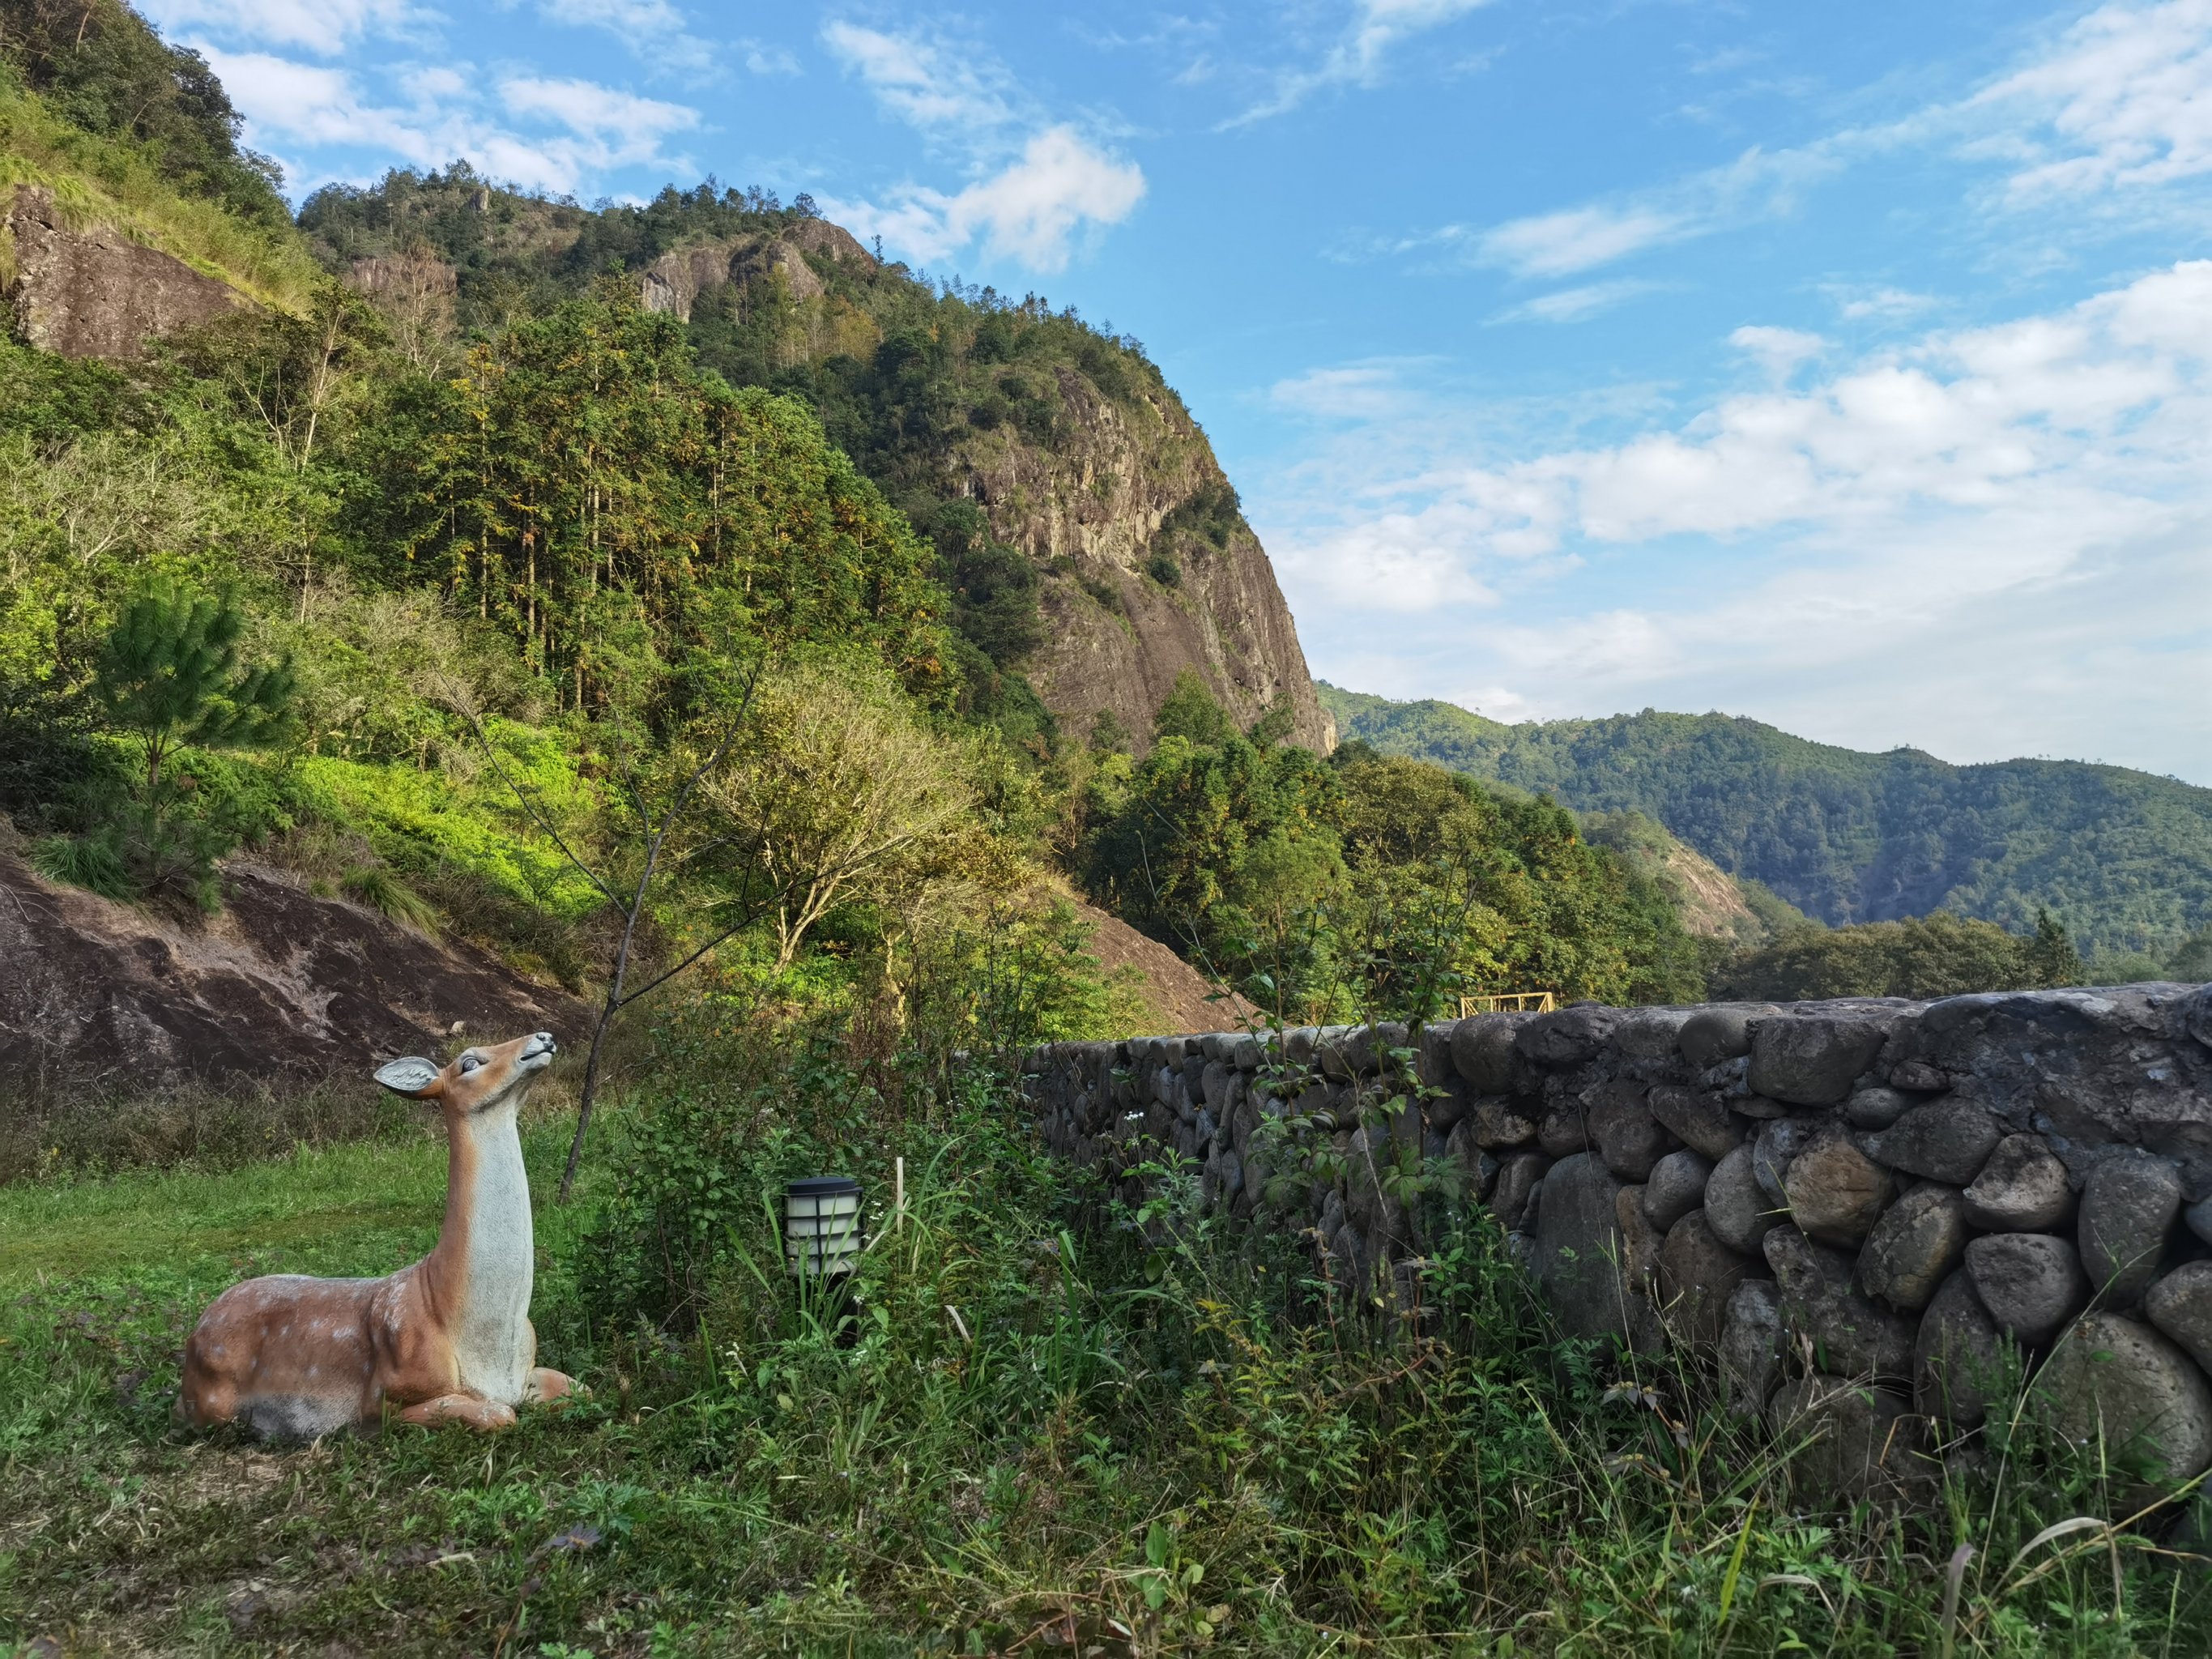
<point x="1848" y="367"/>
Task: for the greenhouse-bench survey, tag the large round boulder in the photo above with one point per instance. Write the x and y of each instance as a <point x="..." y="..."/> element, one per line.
<point x="2022" y="1189"/>
<point x="1835" y="1192"/>
<point x="2030" y="1283"/>
<point x="2129" y="1206"/>
<point x="1811" y="1059"/>
<point x="2117" y="1388"/>
<point x="1914" y="1247"/>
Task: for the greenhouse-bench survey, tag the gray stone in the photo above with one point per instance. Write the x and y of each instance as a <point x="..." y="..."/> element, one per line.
<point x="1876" y="1109"/>
<point x="1331" y="1053"/>
<point x="1482" y="1052"/>
<point x="1579" y="1253"/>
<point x="1499" y="1123"/>
<point x="1948" y="1141"/>
<point x="1778" y="1143"/>
<point x="1676" y="1187"/>
<point x="1298" y="1044"/>
<point x="1736" y="1207"/>
<point x="1851" y="1336"/>
<point x="1563" y="1129"/>
<point x="1698" y="1275"/>
<point x="1919" y="1076"/>
<point x="1958" y="1357"/>
<point x="1532" y="1216"/>
<point x="1698" y="1118"/>
<point x="1652" y="1033"/>
<point x="1206" y="1082"/>
<point x="1640" y="1240"/>
<point x="1435" y="1067"/>
<point x="1750" y="1346"/>
<point x="2114" y="1385"/>
<point x="2021" y="1189"/>
<point x="1811" y="1059"/>
<point x="1245" y="1054"/>
<point x="2128" y="1206"/>
<point x="1759" y="1106"/>
<point x="1713" y="1035"/>
<point x="2030" y="1283"/>
<point x="2180" y="1304"/>
<point x="2198" y="1216"/>
<point x="1629" y="1139"/>
<point x="1915" y="1246"/>
<point x="1446" y="1106"/>
<point x="1516" y="1174"/>
<point x="1848" y="1440"/>
<point x="1835" y="1192"/>
<point x="1568" y="1037"/>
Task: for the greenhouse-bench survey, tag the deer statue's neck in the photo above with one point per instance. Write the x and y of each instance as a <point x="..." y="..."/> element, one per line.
<point x="484" y="1262"/>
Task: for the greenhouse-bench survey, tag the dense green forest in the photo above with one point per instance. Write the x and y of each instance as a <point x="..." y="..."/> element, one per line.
<point x="438" y="582"/>
<point x="2122" y="859"/>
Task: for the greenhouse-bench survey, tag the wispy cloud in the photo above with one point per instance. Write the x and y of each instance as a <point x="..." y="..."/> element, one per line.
<point x="325" y="28"/>
<point x="1036" y="185"/>
<point x="1575" y="305"/>
<point x="2121" y="100"/>
<point x="1937" y="528"/>
<point x="1757" y="183"/>
<point x="1780" y="351"/>
<point x="2124" y="99"/>
<point x="551" y="134"/>
<point x="1359" y="52"/>
<point x="652" y="30"/>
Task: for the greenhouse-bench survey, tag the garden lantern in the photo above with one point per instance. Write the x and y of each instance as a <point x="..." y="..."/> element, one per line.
<point x="821" y="1225"/>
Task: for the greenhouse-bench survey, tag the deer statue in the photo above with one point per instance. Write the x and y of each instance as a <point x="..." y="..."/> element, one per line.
<point x="446" y="1339"/>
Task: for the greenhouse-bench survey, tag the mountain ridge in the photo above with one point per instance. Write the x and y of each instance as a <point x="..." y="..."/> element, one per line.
<point x="2123" y="857"/>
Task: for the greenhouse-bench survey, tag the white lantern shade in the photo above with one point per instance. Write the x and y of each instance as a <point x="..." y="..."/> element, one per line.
<point x="821" y="1225"/>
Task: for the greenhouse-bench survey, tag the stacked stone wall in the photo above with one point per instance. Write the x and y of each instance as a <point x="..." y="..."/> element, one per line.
<point x="1868" y="1213"/>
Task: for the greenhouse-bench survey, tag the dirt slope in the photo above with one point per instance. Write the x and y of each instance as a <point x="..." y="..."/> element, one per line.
<point x="1174" y="993"/>
<point x="282" y="985"/>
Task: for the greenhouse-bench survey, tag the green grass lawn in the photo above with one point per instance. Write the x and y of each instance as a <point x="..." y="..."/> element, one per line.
<point x="1031" y="1430"/>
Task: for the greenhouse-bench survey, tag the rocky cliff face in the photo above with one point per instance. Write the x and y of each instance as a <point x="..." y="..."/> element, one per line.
<point x="89" y="291"/>
<point x="1093" y="509"/>
<point x="1098" y="505"/>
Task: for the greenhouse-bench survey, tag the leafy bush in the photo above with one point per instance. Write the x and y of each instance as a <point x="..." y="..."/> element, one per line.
<point x="1164" y="569"/>
<point x="384" y="892"/>
<point x="1940" y="955"/>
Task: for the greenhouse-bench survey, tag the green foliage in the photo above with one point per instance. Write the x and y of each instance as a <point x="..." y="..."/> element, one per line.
<point x="2124" y="856"/>
<point x="1367" y="885"/>
<point x="168" y="674"/>
<point x="625" y="517"/>
<point x="1034" y="1411"/>
<point x="1940" y="955"/>
<point x="97" y="65"/>
<point x="380" y="890"/>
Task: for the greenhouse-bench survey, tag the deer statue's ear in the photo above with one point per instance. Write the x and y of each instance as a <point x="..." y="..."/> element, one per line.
<point x="410" y="1076"/>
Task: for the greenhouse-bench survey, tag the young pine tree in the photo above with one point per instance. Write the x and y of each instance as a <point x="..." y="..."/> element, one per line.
<point x="168" y="674"/>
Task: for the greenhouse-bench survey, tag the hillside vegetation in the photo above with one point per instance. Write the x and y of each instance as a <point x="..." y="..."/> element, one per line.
<point x="2122" y="859"/>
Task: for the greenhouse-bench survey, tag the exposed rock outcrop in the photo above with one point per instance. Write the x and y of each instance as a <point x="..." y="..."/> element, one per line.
<point x="90" y="291"/>
<point x="282" y="985"/>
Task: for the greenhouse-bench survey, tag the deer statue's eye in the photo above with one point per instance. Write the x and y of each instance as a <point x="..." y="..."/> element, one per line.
<point x="470" y="1062"/>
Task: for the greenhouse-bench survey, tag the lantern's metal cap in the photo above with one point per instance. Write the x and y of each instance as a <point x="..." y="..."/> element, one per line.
<point x="821" y="1187"/>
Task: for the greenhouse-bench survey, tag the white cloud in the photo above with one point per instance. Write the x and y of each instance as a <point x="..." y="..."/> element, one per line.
<point x="652" y="29"/>
<point x="2125" y="99"/>
<point x="1574" y="305"/>
<point x="1779" y="350"/>
<point x="2122" y="98"/>
<point x="1030" y="210"/>
<point x="443" y="116"/>
<point x="323" y="27"/>
<point x="1034" y="187"/>
<point x="1756" y="183"/>
<point x="1997" y="536"/>
<point x="926" y="83"/>
<point x="1857" y="304"/>
<point x="1358" y="55"/>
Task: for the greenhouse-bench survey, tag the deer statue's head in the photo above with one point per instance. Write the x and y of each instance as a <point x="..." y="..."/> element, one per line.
<point x="476" y="1079"/>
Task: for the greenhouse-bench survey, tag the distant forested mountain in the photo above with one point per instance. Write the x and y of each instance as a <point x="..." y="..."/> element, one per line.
<point x="2123" y="859"/>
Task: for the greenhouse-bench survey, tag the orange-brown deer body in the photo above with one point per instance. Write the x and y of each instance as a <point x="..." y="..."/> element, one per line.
<point x="447" y="1339"/>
